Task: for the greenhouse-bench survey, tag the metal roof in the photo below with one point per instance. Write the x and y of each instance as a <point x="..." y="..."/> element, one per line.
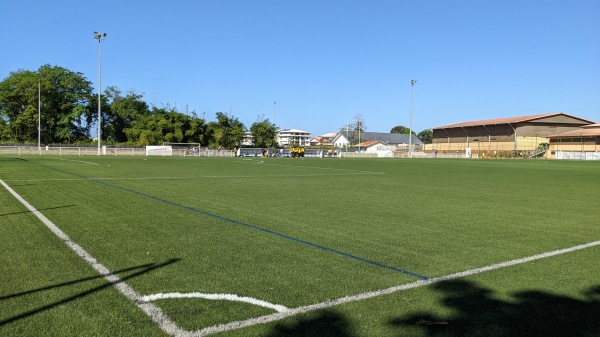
<point x="390" y="138"/>
<point x="509" y="120"/>
<point x="585" y="131"/>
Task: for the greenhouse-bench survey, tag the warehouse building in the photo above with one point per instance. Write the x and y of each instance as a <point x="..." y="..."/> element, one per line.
<point x="513" y="135"/>
<point x="582" y="144"/>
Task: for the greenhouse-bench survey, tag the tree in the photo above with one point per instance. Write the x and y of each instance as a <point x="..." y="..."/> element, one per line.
<point x="355" y="129"/>
<point x="426" y="136"/>
<point x="400" y="129"/>
<point x="66" y="112"/>
<point x="195" y="133"/>
<point x="120" y="113"/>
<point x="226" y="132"/>
<point x="164" y="124"/>
<point x="19" y="106"/>
<point x="264" y="133"/>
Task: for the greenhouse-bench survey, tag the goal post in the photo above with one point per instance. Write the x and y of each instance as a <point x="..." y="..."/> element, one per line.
<point x="184" y="149"/>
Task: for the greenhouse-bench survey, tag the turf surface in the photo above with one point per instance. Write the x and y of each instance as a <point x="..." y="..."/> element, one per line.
<point x="295" y="232"/>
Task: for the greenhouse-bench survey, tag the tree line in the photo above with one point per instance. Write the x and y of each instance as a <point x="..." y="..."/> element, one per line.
<point x="66" y="107"/>
<point x="64" y="104"/>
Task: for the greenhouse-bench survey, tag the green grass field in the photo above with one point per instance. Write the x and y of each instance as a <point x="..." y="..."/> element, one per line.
<point x="299" y="235"/>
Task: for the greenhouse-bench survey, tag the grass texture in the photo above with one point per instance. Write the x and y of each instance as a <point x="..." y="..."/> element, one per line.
<point x="295" y="232"/>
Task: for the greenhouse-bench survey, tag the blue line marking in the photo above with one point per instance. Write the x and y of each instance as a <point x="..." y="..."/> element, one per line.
<point x="264" y="230"/>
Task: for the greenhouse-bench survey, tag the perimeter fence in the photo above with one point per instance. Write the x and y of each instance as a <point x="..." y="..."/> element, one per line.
<point x="19" y="150"/>
<point x="32" y="150"/>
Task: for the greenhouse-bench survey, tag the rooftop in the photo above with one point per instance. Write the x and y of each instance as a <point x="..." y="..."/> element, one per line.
<point x="508" y="120"/>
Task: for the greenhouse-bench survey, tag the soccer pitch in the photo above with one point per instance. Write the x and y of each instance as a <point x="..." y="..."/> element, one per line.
<point x="132" y="246"/>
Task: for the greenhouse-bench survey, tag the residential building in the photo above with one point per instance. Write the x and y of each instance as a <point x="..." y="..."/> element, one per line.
<point x="293" y="137"/>
<point x="248" y="139"/>
<point x="320" y="141"/>
<point x="397" y="139"/>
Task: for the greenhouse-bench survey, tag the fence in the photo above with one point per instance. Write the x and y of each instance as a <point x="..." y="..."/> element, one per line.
<point x="577" y="155"/>
<point x="106" y="151"/>
<point x="314" y="153"/>
<point x="50" y="151"/>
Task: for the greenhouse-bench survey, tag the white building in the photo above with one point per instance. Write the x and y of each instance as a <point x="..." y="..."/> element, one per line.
<point x="248" y="139"/>
<point x="293" y="137"/>
<point x="340" y="140"/>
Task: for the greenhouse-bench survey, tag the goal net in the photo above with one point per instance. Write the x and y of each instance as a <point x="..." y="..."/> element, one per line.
<point x="159" y="151"/>
<point x="184" y="149"/>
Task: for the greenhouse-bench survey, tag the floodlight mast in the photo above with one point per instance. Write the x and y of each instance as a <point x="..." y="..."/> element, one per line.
<point x="99" y="37"/>
<point x="39" y="114"/>
<point x="410" y="150"/>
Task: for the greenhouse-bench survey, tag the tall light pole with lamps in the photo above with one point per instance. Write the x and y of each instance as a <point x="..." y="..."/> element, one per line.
<point x="99" y="37"/>
<point x="410" y="150"/>
<point x="39" y="114"/>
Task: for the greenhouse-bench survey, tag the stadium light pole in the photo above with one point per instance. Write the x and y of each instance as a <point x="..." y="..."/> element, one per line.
<point x="274" y="113"/>
<point x="99" y="37"/>
<point x="412" y="86"/>
<point x="39" y="114"/>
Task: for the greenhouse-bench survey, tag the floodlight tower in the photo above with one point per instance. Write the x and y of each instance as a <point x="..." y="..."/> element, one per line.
<point x="99" y="37"/>
<point x="412" y="86"/>
<point x="39" y="114"/>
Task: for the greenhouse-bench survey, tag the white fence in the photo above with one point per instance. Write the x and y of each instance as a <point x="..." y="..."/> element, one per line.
<point x="105" y="151"/>
<point x="577" y="155"/>
<point x="141" y="151"/>
<point x="50" y="151"/>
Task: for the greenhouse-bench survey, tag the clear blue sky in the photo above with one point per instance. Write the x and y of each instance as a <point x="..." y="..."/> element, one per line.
<point x="324" y="61"/>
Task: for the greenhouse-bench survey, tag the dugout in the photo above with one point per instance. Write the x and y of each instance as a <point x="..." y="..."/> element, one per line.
<point x="511" y="134"/>
<point x="260" y="152"/>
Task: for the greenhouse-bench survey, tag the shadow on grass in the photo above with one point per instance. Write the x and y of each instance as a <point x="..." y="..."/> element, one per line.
<point x="324" y="324"/>
<point x="42" y="209"/>
<point x="529" y="313"/>
<point x="139" y="270"/>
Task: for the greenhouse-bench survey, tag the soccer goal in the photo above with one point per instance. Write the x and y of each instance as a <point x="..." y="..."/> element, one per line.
<point x="159" y="150"/>
<point x="184" y="149"/>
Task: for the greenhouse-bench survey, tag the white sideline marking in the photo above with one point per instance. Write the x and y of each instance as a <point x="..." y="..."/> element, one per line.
<point x="77" y="161"/>
<point x="167" y="325"/>
<point x="325" y="168"/>
<point x="371" y="294"/>
<point x="154" y="312"/>
<point x="287" y="176"/>
<point x="226" y="297"/>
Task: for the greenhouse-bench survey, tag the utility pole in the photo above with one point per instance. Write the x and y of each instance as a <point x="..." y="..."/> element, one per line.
<point x="410" y="150"/>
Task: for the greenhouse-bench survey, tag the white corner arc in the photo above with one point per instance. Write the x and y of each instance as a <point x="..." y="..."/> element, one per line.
<point x="218" y="297"/>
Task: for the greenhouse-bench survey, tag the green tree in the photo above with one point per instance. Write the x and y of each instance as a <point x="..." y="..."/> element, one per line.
<point x="426" y="136"/>
<point x="19" y="106"/>
<point x="402" y="130"/>
<point x="65" y="105"/>
<point x="195" y="132"/>
<point x="264" y="133"/>
<point x="165" y="125"/>
<point x="226" y="132"/>
<point x="120" y="113"/>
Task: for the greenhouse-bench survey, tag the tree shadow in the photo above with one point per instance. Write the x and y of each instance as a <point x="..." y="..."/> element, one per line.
<point x="139" y="270"/>
<point x="528" y="313"/>
<point x="323" y="324"/>
<point x="41" y="209"/>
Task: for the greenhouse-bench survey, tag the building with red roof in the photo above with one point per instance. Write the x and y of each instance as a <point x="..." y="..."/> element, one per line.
<point x="512" y="134"/>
